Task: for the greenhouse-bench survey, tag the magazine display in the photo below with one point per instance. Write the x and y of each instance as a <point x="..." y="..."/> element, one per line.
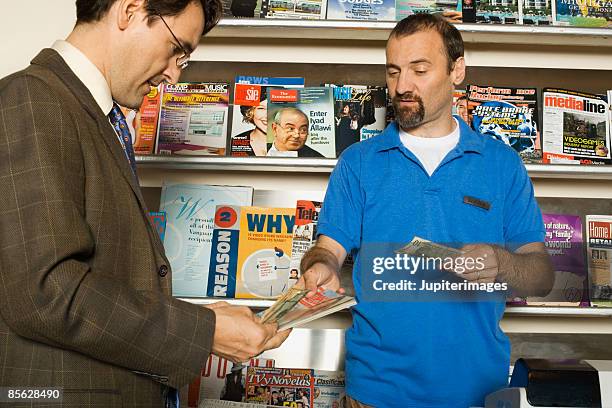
<point x="494" y="12"/>
<point x="264" y="253"/>
<point x="509" y="115"/>
<point x="329" y="389"/>
<point x="576" y="128"/>
<point x="304" y="235"/>
<point x="294" y="308"/>
<point x="145" y="122"/>
<point x="193" y="119"/>
<point x="250" y="113"/>
<point x="158" y="219"/>
<point x="210" y="403"/>
<point x="301" y="122"/>
<point x="450" y="9"/>
<point x="599" y="257"/>
<point x="376" y="10"/>
<point x="460" y="105"/>
<point x="294" y="9"/>
<point x="241" y="8"/>
<point x="584" y="13"/>
<point x="285" y="387"/>
<point x="536" y="12"/>
<point x="190" y="211"/>
<point x="360" y="113"/>
<point x="224" y="252"/>
<point x="565" y="245"/>
<point x="221" y="379"/>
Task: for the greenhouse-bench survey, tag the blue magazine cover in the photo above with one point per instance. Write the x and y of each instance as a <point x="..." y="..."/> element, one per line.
<point x="190" y="211"/>
<point x="369" y="10"/>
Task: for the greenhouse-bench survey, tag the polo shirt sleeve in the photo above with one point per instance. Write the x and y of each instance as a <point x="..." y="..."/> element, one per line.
<point x="342" y="211"/>
<point x="523" y="222"/>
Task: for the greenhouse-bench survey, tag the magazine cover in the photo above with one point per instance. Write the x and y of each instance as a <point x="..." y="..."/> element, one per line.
<point x="285" y="387"/>
<point x="294" y="9"/>
<point x="375" y="10"/>
<point x="193" y="119"/>
<point x="565" y="245"/>
<point x="451" y="9"/>
<point x="250" y="113"/>
<point x="460" y="105"/>
<point x="583" y="13"/>
<point x="264" y="253"/>
<point x="509" y="115"/>
<point x="534" y="12"/>
<point x="360" y="113"/>
<point x="575" y="128"/>
<point x="304" y="235"/>
<point x="497" y="12"/>
<point x="143" y="122"/>
<point x="158" y="219"/>
<point x="599" y="257"/>
<point x="190" y="210"/>
<point x="301" y="122"/>
<point x="224" y="252"/>
<point x="241" y="8"/>
<point x="329" y="388"/>
<point x="221" y="379"/>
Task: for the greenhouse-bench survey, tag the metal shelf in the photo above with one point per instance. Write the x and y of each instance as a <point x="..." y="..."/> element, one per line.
<point x="558" y="311"/>
<point x="254" y="303"/>
<point x="510" y="310"/>
<point x="285" y="164"/>
<point x="379" y="31"/>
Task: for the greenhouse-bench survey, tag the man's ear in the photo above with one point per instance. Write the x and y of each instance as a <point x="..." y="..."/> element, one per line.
<point x="127" y="10"/>
<point x="458" y="72"/>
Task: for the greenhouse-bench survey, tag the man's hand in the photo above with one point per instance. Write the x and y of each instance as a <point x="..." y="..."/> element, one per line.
<point x="239" y="336"/>
<point x="319" y="274"/>
<point x="480" y="263"/>
<point x="321" y="266"/>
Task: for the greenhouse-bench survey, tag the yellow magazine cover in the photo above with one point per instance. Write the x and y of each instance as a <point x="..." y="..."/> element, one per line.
<point x="264" y="252"/>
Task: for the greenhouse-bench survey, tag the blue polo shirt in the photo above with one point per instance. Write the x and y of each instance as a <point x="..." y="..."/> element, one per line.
<point x="435" y="353"/>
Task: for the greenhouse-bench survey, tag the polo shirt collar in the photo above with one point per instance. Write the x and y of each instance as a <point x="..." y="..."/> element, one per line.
<point x="469" y="141"/>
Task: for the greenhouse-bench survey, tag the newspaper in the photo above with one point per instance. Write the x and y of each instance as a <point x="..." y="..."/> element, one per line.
<point x="294" y="309"/>
<point x="576" y="128"/>
<point x="422" y="247"/>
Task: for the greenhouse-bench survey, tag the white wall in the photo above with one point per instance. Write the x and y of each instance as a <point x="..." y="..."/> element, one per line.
<point x="27" y="26"/>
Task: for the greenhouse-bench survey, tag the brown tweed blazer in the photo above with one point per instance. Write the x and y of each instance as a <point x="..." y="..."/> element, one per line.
<point x="85" y="297"/>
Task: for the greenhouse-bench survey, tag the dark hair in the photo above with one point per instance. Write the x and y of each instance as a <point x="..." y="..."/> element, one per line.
<point x="453" y="43"/>
<point x="89" y="11"/>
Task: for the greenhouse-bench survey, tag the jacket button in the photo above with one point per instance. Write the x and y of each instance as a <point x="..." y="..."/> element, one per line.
<point x="163" y="270"/>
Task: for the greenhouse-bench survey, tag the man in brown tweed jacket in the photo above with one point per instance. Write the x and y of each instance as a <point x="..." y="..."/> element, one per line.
<point x="85" y="300"/>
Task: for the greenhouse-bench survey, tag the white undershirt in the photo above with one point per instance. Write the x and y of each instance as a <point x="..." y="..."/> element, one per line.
<point x="281" y="153"/>
<point x="431" y="150"/>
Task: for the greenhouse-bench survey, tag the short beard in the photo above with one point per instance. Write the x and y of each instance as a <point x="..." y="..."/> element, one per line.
<point x="408" y="118"/>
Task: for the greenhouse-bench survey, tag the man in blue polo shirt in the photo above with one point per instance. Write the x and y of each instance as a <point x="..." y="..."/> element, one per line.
<point x="429" y="175"/>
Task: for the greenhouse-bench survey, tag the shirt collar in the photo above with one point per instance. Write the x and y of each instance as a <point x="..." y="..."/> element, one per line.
<point x="87" y="72"/>
<point x="469" y="141"/>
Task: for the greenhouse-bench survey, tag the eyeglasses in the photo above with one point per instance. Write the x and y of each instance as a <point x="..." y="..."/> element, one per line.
<point x="290" y="129"/>
<point x="183" y="60"/>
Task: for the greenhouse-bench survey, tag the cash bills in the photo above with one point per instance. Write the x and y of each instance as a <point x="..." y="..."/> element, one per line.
<point x="422" y="247"/>
<point x="294" y="308"/>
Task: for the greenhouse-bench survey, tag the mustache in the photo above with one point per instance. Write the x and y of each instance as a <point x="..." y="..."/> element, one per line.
<point x="407" y="96"/>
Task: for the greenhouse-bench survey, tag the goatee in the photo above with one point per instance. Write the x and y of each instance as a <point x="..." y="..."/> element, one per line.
<point x="408" y="117"/>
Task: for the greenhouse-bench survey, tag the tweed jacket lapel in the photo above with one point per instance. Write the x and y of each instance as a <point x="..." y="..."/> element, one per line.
<point x="51" y="60"/>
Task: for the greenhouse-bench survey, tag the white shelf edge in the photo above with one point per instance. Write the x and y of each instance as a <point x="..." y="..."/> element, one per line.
<point x="254" y="303"/>
<point x="280" y="164"/>
<point x="379" y="30"/>
<point x="510" y="310"/>
<point x="558" y="311"/>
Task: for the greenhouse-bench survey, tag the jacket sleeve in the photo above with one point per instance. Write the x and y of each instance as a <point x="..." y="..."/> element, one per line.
<point x="49" y="292"/>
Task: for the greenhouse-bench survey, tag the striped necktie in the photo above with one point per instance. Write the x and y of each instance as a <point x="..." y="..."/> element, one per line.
<point x="117" y="119"/>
